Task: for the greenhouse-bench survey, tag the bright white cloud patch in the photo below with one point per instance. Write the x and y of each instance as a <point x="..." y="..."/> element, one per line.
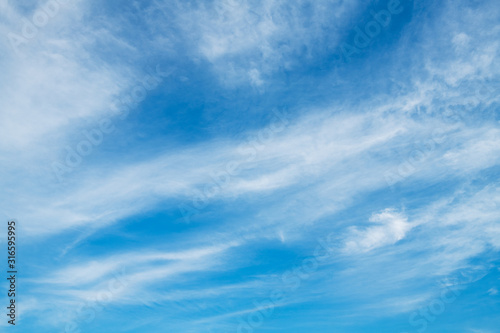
<point x="389" y="227"/>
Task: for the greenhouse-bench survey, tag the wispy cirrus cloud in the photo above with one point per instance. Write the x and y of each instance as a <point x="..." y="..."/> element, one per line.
<point x="426" y="87"/>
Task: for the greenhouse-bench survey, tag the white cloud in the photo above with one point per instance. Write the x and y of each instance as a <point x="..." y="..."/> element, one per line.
<point x="243" y="38"/>
<point x="319" y="165"/>
<point x="134" y="264"/>
<point x="390" y="227"/>
<point x="493" y="291"/>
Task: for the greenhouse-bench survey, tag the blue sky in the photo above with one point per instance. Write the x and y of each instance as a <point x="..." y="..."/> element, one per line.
<point x="252" y="166"/>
